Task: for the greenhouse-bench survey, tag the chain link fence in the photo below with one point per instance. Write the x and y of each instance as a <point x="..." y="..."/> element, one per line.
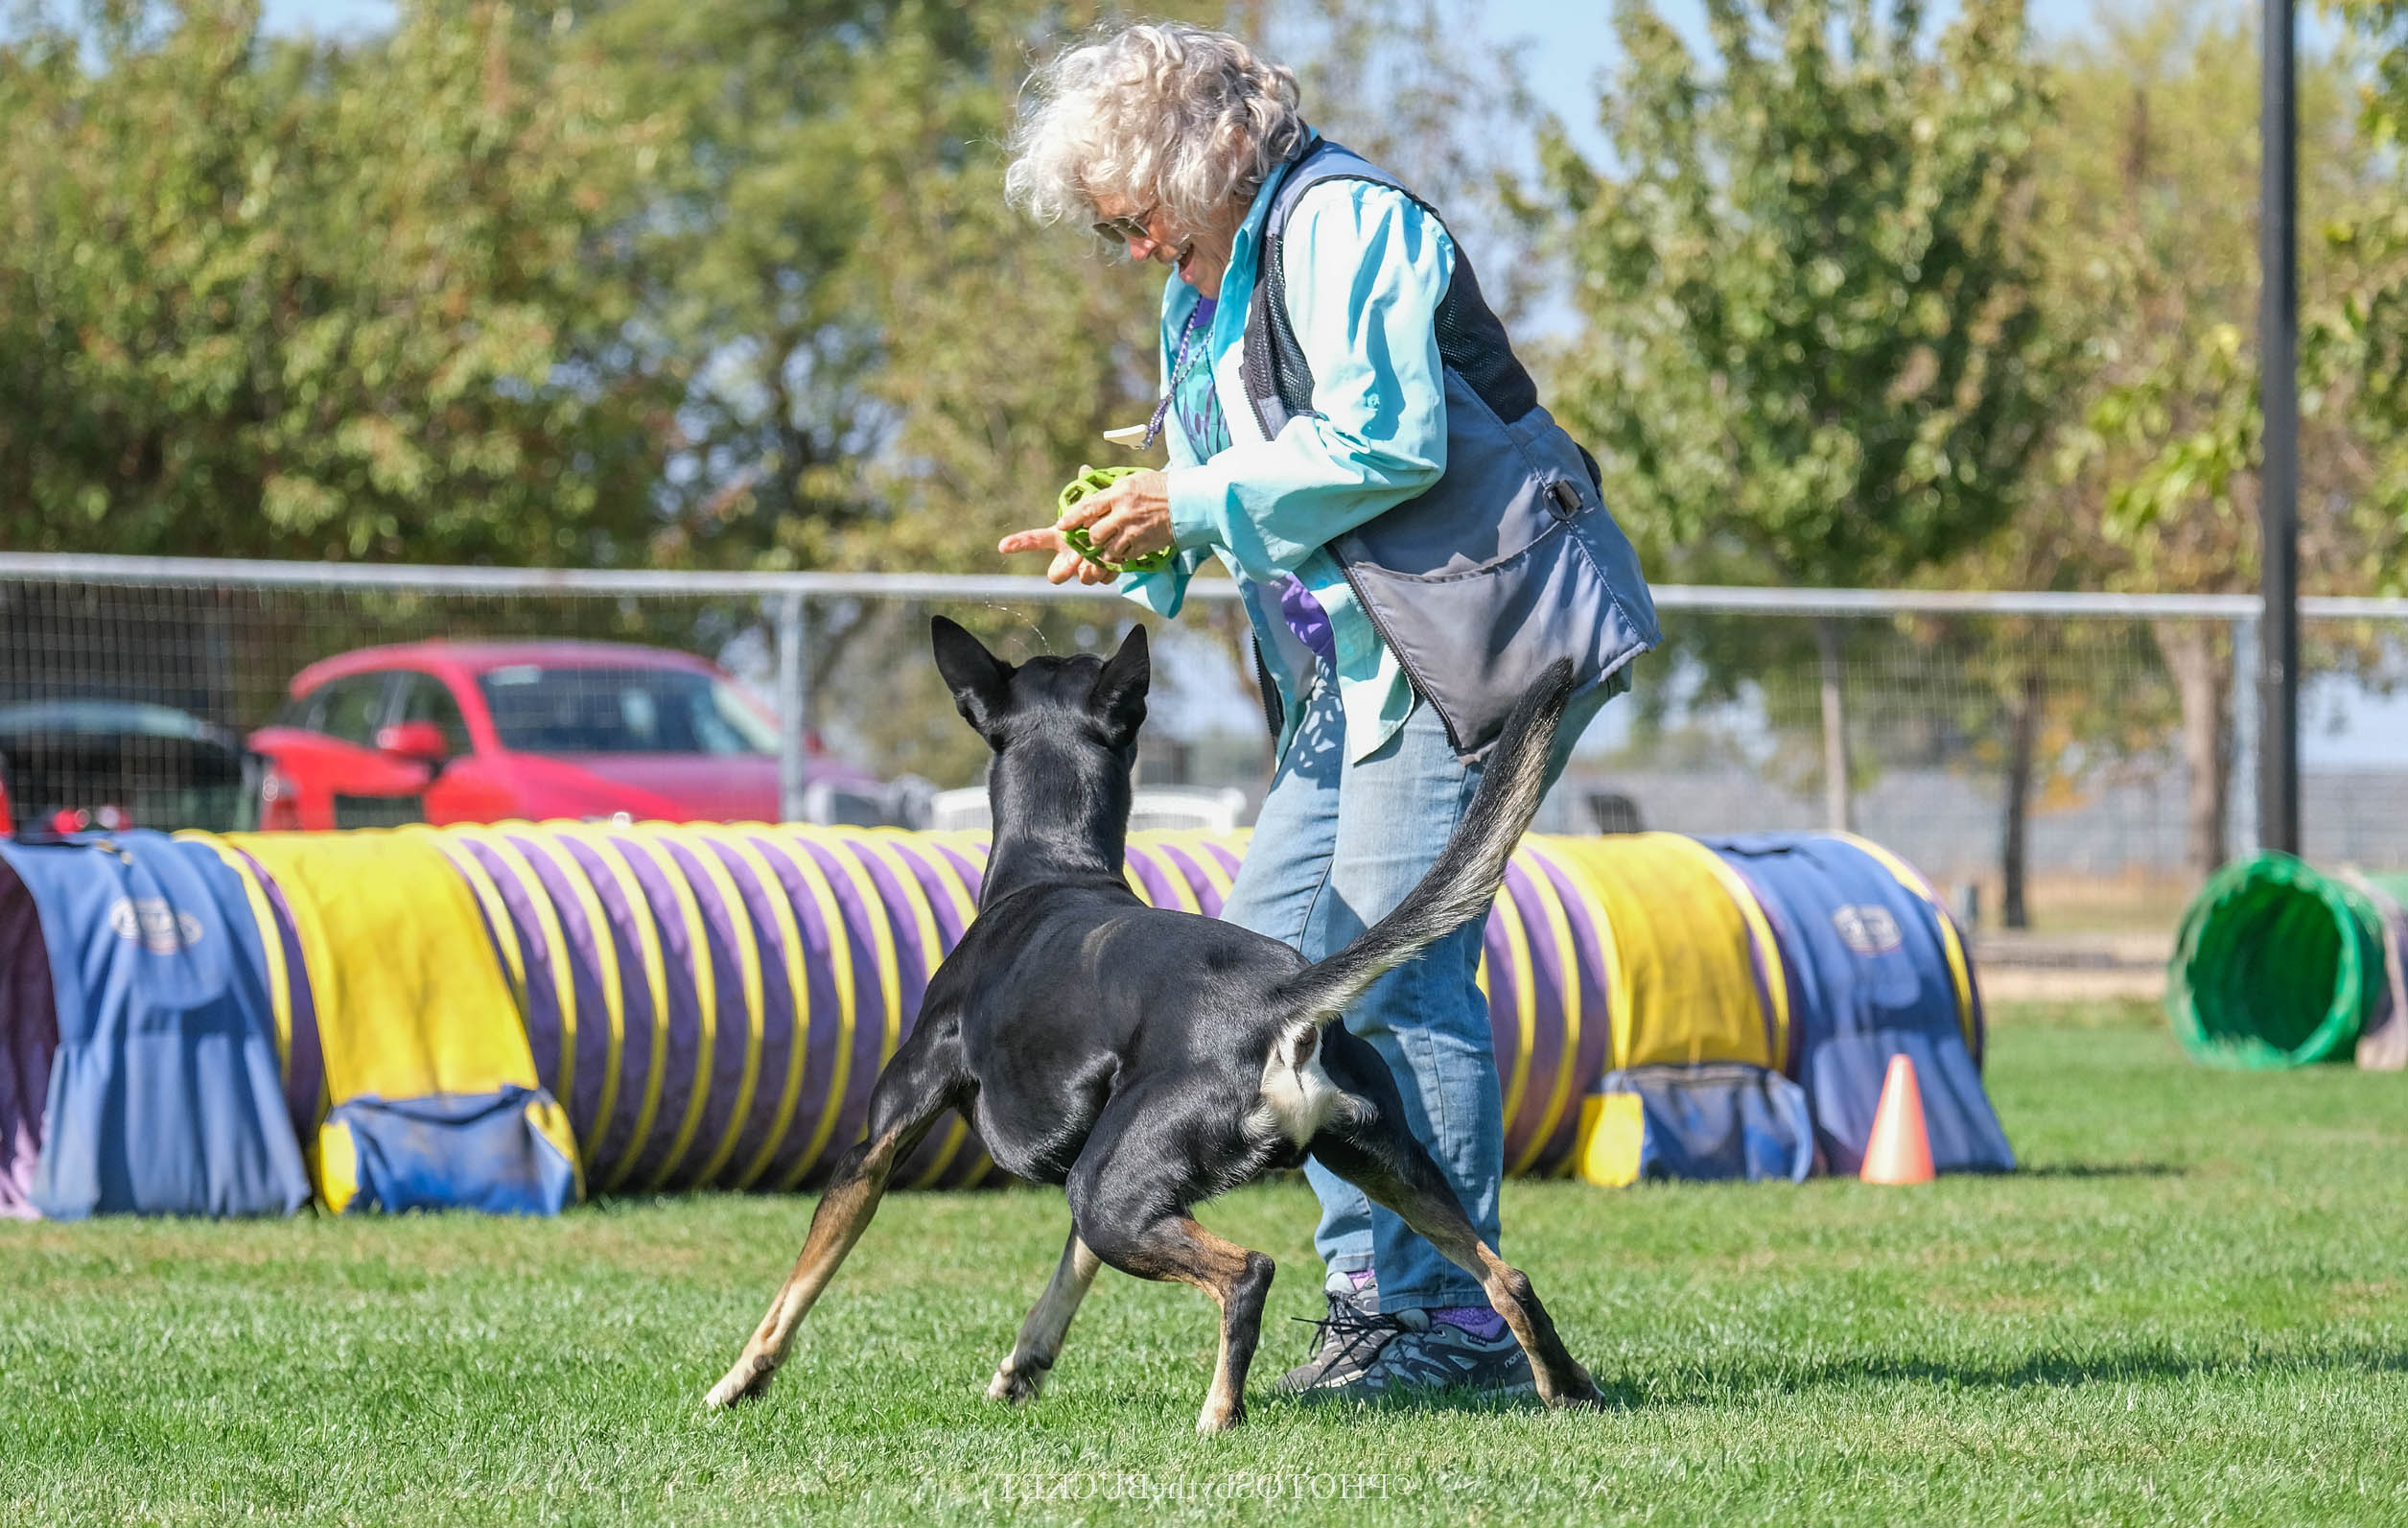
<point x="2064" y="760"/>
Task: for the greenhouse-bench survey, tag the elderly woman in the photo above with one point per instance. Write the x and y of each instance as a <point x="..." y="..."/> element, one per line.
<point x="1414" y="540"/>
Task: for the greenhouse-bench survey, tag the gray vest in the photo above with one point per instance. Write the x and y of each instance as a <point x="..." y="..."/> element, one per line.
<point x="1509" y="560"/>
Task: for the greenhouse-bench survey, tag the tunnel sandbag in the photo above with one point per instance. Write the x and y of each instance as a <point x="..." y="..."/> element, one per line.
<point x="2277" y="964"/>
<point x="1705" y="1123"/>
<point x="1875" y="968"/>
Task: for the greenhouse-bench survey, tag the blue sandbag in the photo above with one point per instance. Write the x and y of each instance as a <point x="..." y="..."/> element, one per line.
<point x="1875" y="970"/>
<point x="1711" y="1121"/>
<point x="449" y="1151"/>
<point x="165" y="1095"/>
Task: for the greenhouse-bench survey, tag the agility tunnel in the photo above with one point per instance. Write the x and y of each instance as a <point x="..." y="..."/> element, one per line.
<point x="2278" y="964"/>
<point x="512" y="1017"/>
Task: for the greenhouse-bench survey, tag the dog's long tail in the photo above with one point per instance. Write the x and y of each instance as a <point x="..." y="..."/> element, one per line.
<point x="1459" y="887"/>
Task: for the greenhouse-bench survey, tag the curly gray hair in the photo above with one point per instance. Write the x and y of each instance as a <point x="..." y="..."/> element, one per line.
<point x="1152" y="112"/>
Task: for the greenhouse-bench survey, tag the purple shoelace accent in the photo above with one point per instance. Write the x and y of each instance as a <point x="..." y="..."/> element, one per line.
<point x="1478" y="1320"/>
<point x="1306" y="618"/>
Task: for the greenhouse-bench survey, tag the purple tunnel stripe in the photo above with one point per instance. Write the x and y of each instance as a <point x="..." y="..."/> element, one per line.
<point x="635" y="995"/>
<point x="1548" y="976"/>
<point x="914" y="962"/>
<point x="732" y="1042"/>
<point x="681" y="962"/>
<point x="819" y="966"/>
<point x="542" y="1017"/>
<point x="780" y="1021"/>
<point x="1184" y="862"/>
<point x="870" y="984"/>
<point x="581" y="952"/>
<point x="305" y="1070"/>
<point x="926" y="864"/>
<point x="1596" y="1042"/>
<point x="971" y="863"/>
<point x="1154" y="879"/>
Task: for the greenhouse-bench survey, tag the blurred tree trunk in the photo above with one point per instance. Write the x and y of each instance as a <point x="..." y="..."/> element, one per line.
<point x="2202" y="667"/>
<point x="2025" y="708"/>
<point x="1838" y="810"/>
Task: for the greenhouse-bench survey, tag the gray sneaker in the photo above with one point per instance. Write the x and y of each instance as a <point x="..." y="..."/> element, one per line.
<point x="1362" y="1356"/>
<point x="1349" y="1337"/>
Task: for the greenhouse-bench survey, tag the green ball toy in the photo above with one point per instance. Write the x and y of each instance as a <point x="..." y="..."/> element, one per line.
<point x="1093" y="481"/>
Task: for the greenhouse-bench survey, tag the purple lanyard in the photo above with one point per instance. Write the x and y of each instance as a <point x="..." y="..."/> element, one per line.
<point x="1178" y="374"/>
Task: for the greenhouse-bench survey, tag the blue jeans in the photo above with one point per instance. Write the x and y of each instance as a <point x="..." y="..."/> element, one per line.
<point x="1337" y="846"/>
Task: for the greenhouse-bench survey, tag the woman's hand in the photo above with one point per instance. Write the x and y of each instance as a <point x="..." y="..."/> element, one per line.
<point x="1125" y="522"/>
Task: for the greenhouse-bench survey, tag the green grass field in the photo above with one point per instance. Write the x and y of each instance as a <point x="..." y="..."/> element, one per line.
<point x="2193" y="1307"/>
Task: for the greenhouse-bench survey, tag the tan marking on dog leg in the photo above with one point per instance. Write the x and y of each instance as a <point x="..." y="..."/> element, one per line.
<point x="843" y="1213"/>
<point x="1440" y="1221"/>
<point x="1562" y="1380"/>
<point x="1022" y="1372"/>
<point x="1219" y="1267"/>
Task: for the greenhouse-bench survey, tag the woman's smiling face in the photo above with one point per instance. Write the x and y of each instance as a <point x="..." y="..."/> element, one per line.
<point x="1200" y="259"/>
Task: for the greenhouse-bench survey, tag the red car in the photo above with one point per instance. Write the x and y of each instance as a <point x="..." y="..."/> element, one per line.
<point x="488" y="731"/>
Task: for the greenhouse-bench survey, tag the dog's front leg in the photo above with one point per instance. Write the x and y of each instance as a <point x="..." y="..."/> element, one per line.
<point x="1022" y="1372"/>
<point x="923" y="1079"/>
<point x="844" y="1212"/>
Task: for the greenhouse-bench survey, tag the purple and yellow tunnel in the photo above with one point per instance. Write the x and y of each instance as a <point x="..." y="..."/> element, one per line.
<point x="709" y="1005"/>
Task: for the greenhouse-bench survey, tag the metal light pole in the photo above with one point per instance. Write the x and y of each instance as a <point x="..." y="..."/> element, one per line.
<point x="2279" y="394"/>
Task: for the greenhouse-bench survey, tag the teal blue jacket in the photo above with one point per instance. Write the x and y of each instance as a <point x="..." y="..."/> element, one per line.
<point x="1366" y="268"/>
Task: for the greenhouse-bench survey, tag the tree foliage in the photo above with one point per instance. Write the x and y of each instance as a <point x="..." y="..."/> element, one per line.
<point x="276" y="298"/>
<point x="1810" y="350"/>
<point x="2153" y="180"/>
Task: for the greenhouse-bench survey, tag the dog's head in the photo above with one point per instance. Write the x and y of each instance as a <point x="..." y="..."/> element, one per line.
<point x="1085" y="702"/>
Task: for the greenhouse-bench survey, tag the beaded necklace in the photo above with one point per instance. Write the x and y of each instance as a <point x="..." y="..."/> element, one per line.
<point x="1180" y="366"/>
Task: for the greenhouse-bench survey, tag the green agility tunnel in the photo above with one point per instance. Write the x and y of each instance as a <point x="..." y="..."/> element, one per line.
<point x="2278" y="964"/>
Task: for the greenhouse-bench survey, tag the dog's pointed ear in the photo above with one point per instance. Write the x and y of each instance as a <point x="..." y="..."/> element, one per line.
<point x="981" y="681"/>
<point x="1119" y="693"/>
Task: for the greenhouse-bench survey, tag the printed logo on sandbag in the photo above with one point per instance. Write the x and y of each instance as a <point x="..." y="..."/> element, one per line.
<point x="1868" y="929"/>
<point x="156" y="924"/>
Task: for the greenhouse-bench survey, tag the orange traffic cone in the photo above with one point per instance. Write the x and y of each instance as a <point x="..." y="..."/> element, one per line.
<point x="1900" y="1150"/>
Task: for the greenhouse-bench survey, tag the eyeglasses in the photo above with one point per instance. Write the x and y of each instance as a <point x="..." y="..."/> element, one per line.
<point x="1123" y="229"/>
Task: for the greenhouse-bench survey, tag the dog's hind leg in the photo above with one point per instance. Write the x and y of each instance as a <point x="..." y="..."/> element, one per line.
<point x="1177" y="1248"/>
<point x="923" y="1079"/>
<point x="1022" y="1372"/>
<point x="1375" y="1154"/>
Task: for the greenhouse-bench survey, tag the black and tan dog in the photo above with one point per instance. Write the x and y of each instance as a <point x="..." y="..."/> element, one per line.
<point x="1149" y="1060"/>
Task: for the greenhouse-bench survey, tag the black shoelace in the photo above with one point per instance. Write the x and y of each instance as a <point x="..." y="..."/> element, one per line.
<point x="1347" y="1333"/>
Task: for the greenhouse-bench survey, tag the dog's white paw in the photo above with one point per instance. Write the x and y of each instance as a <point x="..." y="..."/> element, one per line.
<point x="1218" y="1418"/>
<point x="749" y="1378"/>
<point x="1015" y="1386"/>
